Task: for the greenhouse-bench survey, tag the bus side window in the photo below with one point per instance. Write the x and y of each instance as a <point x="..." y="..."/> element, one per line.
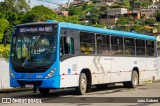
<point x="117" y="45"/>
<point x="140" y="47"/>
<point x="150" y="48"/>
<point x="67" y="45"/>
<point x="87" y="43"/>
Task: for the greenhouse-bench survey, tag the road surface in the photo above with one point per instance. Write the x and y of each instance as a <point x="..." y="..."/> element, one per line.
<point x="112" y="95"/>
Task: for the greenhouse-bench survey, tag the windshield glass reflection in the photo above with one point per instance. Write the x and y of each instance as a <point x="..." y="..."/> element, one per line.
<point x="33" y="50"/>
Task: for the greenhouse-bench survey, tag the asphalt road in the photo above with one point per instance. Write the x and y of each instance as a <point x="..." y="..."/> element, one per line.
<point x="144" y="95"/>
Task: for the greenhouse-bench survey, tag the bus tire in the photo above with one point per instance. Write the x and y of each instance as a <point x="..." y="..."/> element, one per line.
<point x="44" y="91"/>
<point x="82" y="84"/>
<point x="134" y="81"/>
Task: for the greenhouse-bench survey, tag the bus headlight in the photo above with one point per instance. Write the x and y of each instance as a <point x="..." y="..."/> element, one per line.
<point x="51" y="73"/>
<point x="11" y="73"/>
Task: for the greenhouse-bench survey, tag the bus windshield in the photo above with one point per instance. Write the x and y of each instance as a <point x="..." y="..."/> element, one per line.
<point x="33" y="49"/>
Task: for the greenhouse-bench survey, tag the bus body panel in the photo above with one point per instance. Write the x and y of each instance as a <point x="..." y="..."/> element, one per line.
<point x="120" y="71"/>
<point x="69" y="73"/>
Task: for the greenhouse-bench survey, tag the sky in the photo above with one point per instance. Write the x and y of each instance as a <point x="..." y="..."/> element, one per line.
<point x="50" y="5"/>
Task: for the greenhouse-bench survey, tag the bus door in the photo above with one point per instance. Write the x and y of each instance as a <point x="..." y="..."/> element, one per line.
<point x="68" y="60"/>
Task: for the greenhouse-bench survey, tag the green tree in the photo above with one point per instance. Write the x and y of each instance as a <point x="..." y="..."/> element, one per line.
<point x="16" y="5"/>
<point x="22" y="5"/>
<point x="150" y="21"/>
<point x="157" y="15"/>
<point x="124" y="21"/>
<point x="145" y="3"/>
<point x="96" y="1"/>
<point x="3" y="26"/>
<point x="75" y="11"/>
<point x="94" y="14"/>
<point x="39" y="13"/>
<point x="84" y="6"/>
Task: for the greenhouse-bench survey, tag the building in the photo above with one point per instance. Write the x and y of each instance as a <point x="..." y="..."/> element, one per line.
<point x="154" y="1"/>
<point x="147" y="13"/>
<point x="154" y="6"/>
<point x="108" y="21"/>
<point x="134" y="15"/>
<point x="116" y="12"/>
<point x="112" y="1"/>
<point x="63" y="13"/>
<point x="79" y="2"/>
<point x="112" y="21"/>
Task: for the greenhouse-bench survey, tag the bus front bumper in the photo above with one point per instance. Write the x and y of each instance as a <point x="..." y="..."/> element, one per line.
<point x="53" y="82"/>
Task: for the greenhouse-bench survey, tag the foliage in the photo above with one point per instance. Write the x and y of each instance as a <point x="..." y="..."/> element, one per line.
<point x="150" y="21"/>
<point x="94" y="14"/>
<point x="157" y="15"/>
<point x="145" y="3"/>
<point x="133" y="25"/>
<point x="15" y="5"/>
<point x="96" y="1"/>
<point x="116" y="5"/>
<point x="4" y="24"/>
<point x="125" y="4"/>
<point x="75" y="10"/>
<point x="4" y="51"/>
<point x="38" y="13"/>
<point x="12" y="13"/>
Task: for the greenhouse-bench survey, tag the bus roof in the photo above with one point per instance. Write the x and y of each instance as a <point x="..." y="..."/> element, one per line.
<point x="105" y="31"/>
<point x="96" y="30"/>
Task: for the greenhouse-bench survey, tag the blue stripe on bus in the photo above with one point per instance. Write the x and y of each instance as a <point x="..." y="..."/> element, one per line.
<point x="105" y="31"/>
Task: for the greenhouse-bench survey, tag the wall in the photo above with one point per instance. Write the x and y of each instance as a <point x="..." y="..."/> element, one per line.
<point x="4" y="74"/>
<point x="108" y="21"/>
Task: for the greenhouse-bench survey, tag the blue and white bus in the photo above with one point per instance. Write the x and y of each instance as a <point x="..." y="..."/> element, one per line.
<point x="54" y="55"/>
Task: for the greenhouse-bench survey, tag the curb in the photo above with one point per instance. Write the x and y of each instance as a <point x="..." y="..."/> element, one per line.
<point x="12" y="90"/>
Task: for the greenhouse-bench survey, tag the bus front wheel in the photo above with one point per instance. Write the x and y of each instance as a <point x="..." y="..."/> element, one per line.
<point x="44" y="91"/>
<point x="82" y="84"/>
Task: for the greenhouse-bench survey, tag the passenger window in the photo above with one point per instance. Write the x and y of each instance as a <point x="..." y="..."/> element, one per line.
<point x="66" y="45"/>
<point x="150" y="48"/>
<point x="140" y="47"/>
<point x="129" y="46"/>
<point x="117" y="45"/>
<point x="103" y="44"/>
<point x="87" y="43"/>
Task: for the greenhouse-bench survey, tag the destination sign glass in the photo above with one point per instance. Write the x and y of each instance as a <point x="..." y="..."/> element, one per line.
<point x="36" y="28"/>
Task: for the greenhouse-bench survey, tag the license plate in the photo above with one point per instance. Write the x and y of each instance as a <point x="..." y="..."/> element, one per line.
<point x="29" y="85"/>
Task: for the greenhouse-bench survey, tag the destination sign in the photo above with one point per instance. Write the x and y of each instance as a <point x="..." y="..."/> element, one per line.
<point x="36" y="28"/>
